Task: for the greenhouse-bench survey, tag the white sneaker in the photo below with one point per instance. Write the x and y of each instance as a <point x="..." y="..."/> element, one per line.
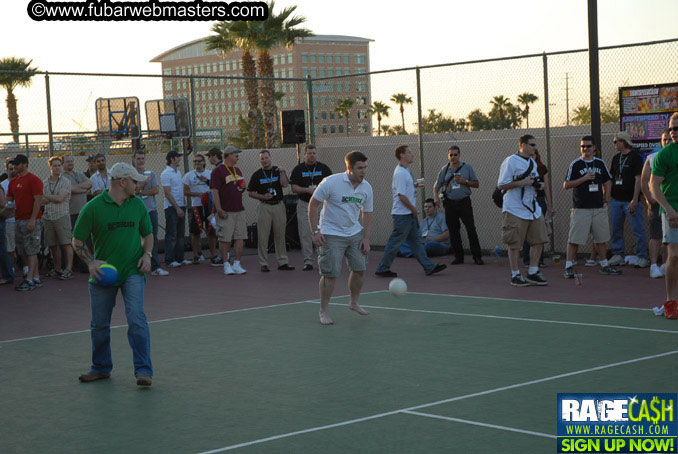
<point x="238" y="269"/>
<point x="186" y="262"/>
<point x="201" y="258"/>
<point x="616" y="260"/>
<point x="159" y="272"/>
<point x="663" y="269"/>
<point x="631" y="260"/>
<point x="642" y="263"/>
<point x="658" y="311"/>
<point x="656" y="272"/>
<point x="227" y="268"/>
<point x="590" y="262"/>
<point x="174" y="264"/>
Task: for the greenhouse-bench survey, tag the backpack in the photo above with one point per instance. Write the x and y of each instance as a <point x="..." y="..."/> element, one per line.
<point x="498" y="194"/>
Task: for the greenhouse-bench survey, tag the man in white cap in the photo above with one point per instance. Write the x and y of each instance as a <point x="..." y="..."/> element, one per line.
<point x="123" y="237"/>
<point x="626" y="169"/>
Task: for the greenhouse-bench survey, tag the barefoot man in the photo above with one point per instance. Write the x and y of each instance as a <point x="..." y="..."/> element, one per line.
<point x="339" y="233"/>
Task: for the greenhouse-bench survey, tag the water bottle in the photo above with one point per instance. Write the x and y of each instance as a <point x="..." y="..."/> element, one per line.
<point x="497" y="251"/>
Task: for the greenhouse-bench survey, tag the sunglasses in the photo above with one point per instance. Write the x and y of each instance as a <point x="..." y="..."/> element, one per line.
<point x="586" y="146"/>
<point x="454" y="154"/>
<point x="532" y="145"/>
<point x="673" y="128"/>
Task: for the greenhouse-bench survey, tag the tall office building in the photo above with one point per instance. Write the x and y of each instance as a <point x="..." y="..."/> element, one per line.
<point x="219" y="102"/>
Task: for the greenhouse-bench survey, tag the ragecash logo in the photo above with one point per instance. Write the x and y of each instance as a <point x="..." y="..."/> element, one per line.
<point x="624" y="423"/>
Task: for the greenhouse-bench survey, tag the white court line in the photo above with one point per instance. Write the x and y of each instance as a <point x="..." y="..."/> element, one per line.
<point x="183" y="318"/>
<point x="505" y="317"/>
<point x="432" y="404"/>
<point x="532" y="301"/>
<point x="482" y="424"/>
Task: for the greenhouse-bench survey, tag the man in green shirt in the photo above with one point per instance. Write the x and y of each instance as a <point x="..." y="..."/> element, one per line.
<point x="664" y="187"/>
<point x="123" y="237"/>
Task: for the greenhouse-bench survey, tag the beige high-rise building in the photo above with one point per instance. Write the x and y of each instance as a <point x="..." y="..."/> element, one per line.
<point x="219" y="102"/>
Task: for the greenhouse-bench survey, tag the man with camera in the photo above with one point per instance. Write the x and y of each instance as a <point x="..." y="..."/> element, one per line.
<point x="454" y="184"/>
<point x="523" y="219"/>
<point x="590" y="181"/>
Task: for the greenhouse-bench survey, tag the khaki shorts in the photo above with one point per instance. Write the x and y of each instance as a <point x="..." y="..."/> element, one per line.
<point x="584" y="221"/>
<point x="233" y="227"/>
<point x="515" y="231"/>
<point x="337" y="247"/>
<point x="28" y="243"/>
<point x="58" y="232"/>
<point x="10" y="234"/>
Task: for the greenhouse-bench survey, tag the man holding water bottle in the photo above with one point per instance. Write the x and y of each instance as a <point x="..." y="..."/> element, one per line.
<point x="405" y="218"/>
<point x="590" y="182"/>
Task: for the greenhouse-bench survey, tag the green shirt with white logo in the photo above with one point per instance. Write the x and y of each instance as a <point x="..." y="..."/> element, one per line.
<point x="116" y="232"/>
<point x="665" y="165"/>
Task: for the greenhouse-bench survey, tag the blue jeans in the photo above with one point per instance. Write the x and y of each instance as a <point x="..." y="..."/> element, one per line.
<point x="433" y="249"/>
<point x="618" y="211"/>
<point x="102" y="301"/>
<point x="155" y="262"/>
<point x="405" y="227"/>
<point x="6" y="271"/>
<point x="175" y="230"/>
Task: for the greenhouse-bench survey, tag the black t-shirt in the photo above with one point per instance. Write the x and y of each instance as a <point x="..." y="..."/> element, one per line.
<point x="265" y="181"/>
<point x="305" y="175"/>
<point x="628" y="167"/>
<point x="584" y="195"/>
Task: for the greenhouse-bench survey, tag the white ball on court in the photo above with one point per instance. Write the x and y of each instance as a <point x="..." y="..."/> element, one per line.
<point x="397" y="287"/>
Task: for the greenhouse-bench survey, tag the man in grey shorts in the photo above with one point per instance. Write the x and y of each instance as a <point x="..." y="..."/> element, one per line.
<point x="339" y="233"/>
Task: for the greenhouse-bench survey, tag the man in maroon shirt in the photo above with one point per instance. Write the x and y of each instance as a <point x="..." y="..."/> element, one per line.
<point x="25" y="189"/>
<point x="227" y="185"/>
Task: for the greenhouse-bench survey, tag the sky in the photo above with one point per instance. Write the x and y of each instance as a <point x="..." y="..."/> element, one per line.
<point x="404" y="33"/>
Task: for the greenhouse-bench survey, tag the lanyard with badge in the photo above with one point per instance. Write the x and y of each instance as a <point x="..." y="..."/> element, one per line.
<point x="619" y="181"/>
<point x="271" y="189"/>
<point x="593" y="187"/>
<point x="56" y="185"/>
<point x="239" y="182"/>
<point x="424" y="232"/>
<point x="312" y="176"/>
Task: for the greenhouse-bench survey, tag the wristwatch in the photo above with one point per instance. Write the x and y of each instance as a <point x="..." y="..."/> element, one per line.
<point x="315" y="231"/>
<point x="149" y="253"/>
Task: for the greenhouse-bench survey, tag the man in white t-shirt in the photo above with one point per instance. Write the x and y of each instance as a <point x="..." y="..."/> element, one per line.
<point x="100" y="180"/>
<point x="196" y="184"/>
<point x="339" y="234"/>
<point x="522" y="217"/>
<point x="405" y="218"/>
<point x="175" y="211"/>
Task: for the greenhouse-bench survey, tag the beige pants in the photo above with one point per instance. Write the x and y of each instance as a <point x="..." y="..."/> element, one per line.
<point x="305" y="237"/>
<point x="271" y="216"/>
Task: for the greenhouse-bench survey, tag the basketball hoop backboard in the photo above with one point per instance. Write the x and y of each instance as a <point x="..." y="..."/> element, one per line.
<point x="168" y="117"/>
<point x="118" y="118"/>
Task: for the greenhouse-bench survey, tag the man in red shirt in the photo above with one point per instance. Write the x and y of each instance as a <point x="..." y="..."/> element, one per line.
<point x="25" y="189"/>
<point x="227" y="185"/>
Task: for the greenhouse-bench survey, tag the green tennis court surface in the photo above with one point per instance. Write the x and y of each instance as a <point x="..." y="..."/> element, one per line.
<point x="426" y="373"/>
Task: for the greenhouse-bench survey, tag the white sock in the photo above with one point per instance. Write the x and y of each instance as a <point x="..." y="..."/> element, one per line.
<point x="515" y="273"/>
<point x="236" y="262"/>
<point x="533" y="270"/>
<point x="603" y="263"/>
<point x="568" y="264"/>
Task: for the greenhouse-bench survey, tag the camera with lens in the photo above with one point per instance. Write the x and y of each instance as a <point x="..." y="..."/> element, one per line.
<point x="537" y="182"/>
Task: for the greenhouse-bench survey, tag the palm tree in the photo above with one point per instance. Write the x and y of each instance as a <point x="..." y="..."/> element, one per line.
<point x="343" y="108"/>
<point x="10" y="81"/>
<point x="526" y="99"/>
<point x="231" y="35"/>
<point x="401" y="98"/>
<point x="500" y="103"/>
<point x="381" y="110"/>
<point x="278" y="30"/>
<point x="581" y="115"/>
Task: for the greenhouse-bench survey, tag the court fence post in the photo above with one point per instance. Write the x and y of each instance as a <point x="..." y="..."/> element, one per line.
<point x="309" y="102"/>
<point x="547" y="128"/>
<point x="49" y="116"/>
<point x="421" y="137"/>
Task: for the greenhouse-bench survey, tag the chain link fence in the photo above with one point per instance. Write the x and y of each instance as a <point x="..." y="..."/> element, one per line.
<point x="481" y="106"/>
